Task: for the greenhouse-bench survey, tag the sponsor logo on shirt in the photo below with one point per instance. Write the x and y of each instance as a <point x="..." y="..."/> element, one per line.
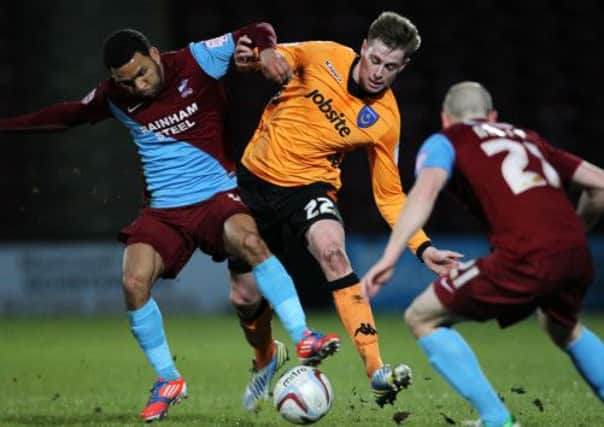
<point x="333" y="116"/>
<point x="174" y="123"/>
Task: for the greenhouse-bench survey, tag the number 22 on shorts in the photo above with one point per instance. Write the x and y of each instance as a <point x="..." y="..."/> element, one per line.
<point x="320" y="205"/>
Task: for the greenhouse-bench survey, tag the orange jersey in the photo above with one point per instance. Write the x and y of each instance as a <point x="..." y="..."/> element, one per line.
<point x="314" y="120"/>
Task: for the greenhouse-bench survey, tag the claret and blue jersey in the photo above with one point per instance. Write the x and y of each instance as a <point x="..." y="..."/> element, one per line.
<point x="436" y="151"/>
<point x="179" y="134"/>
<point x="512" y="179"/>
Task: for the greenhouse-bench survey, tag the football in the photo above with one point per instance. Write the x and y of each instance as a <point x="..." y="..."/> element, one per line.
<point x="303" y="395"/>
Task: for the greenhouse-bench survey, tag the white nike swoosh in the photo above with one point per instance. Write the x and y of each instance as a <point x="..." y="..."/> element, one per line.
<point x="135" y="107"/>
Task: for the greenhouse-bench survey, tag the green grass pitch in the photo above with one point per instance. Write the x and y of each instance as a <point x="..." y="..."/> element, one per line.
<point x="89" y="372"/>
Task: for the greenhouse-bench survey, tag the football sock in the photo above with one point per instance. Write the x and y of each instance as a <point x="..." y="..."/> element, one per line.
<point x="278" y="288"/>
<point x="258" y="333"/>
<point x="587" y="353"/>
<point x="147" y="326"/>
<point x="453" y="358"/>
<point x="357" y="318"/>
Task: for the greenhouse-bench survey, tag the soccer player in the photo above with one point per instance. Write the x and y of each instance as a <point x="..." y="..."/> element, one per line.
<point x="336" y="101"/>
<point x="173" y="105"/>
<point x="540" y="259"/>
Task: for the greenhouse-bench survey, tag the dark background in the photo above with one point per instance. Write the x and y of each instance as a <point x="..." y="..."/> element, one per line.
<point x="541" y="60"/>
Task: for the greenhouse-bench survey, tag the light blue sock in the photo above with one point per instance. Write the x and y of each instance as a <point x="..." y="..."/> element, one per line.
<point x="278" y="288"/>
<point x="453" y="358"/>
<point x="587" y="353"/>
<point x="147" y="326"/>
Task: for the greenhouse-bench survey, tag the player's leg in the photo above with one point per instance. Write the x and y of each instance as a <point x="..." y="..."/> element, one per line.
<point x="326" y="243"/>
<point x="559" y="314"/>
<point x="274" y="206"/>
<point x="255" y="319"/>
<point x="142" y="266"/>
<point x="242" y="239"/>
<point x="429" y="321"/>
<point x="255" y="315"/>
<point x="153" y="250"/>
<point x="585" y="349"/>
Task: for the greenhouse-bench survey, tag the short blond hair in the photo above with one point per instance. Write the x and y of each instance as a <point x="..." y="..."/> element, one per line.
<point x="467" y="100"/>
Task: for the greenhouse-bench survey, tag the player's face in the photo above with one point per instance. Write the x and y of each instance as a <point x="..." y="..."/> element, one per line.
<point x="379" y="65"/>
<point x="142" y="76"/>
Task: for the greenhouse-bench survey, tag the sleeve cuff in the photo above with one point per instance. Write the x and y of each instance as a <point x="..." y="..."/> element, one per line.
<point x="420" y="250"/>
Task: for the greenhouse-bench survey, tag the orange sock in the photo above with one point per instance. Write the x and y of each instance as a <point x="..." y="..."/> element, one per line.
<point x="357" y="318"/>
<point x="259" y="335"/>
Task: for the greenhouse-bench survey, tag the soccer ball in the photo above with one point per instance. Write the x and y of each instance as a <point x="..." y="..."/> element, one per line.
<point x="303" y="395"/>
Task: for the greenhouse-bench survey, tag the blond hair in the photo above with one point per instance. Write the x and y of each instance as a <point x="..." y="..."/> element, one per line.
<point x="467" y="100"/>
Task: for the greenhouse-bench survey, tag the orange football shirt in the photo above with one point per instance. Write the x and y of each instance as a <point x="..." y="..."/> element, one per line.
<point x="313" y="121"/>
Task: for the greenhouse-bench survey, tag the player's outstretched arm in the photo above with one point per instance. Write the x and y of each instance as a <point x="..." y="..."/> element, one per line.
<point x="591" y="203"/>
<point x="56" y="117"/>
<point x="412" y="217"/>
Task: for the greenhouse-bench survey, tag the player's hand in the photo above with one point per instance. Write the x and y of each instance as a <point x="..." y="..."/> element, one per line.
<point x="274" y="66"/>
<point x="377" y="276"/>
<point x="245" y="58"/>
<point x="441" y="261"/>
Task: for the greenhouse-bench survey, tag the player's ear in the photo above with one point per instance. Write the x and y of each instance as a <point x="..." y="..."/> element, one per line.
<point x="363" y="47"/>
<point x="405" y="62"/>
<point x="492" y="116"/>
<point x="154" y="54"/>
<point x="445" y="121"/>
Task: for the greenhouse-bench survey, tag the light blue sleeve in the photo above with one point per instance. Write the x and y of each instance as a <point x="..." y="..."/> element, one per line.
<point x="214" y="55"/>
<point x="436" y="151"/>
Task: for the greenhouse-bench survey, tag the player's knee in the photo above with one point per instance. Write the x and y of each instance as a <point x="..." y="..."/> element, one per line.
<point x="561" y="335"/>
<point x="245" y="308"/>
<point x="254" y="248"/>
<point x="135" y="284"/>
<point x="411" y="319"/>
<point x="241" y="297"/>
<point x="243" y="291"/>
<point x="334" y="259"/>
<point x="416" y="322"/>
<point x="561" y="340"/>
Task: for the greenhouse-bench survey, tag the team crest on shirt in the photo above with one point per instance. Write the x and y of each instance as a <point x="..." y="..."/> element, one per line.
<point x="184" y="88"/>
<point x="367" y="117"/>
